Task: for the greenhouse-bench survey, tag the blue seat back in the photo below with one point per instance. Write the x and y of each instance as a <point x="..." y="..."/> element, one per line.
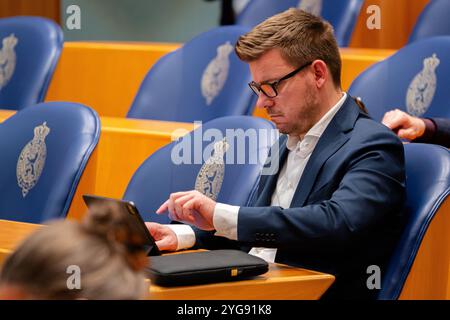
<point x="415" y="80"/>
<point x="44" y="150"/>
<point x="233" y="183"/>
<point x="427" y="186"/>
<point x="29" y="51"/>
<point x="433" y="21"/>
<point x="342" y="14"/>
<point x="202" y="80"/>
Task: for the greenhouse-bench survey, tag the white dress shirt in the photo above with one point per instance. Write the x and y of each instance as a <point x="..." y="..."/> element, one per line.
<point x="225" y="217"/>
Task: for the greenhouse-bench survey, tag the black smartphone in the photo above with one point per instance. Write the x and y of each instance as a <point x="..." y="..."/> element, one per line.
<point x="129" y="209"/>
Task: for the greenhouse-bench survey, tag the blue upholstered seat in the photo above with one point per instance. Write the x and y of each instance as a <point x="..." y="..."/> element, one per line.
<point x="427" y="186"/>
<point x="29" y="51"/>
<point x="433" y="21"/>
<point x="342" y="14"/>
<point x="163" y="173"/>
<point x="202" y="80"/>
<point x="415" y="79"/>
<point x="43" y="152"/>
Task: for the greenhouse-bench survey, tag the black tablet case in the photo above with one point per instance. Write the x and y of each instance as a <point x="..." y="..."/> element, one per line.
<point x="204" y="267"/>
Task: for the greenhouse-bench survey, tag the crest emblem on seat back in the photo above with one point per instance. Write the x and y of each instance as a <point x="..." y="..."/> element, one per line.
<point x="210" y="177"/>
<point x="32" y="160"/>
<point x="311" y="6"/>
<point x="422" y="88"/>
<point x="216" y="73"/>
<point x="7" y="59"/>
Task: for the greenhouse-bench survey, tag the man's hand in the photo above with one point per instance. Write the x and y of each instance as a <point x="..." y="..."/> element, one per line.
<point x="165" y="237"/>
<point x="406" y="126"/>
<point x="190" y="207"/>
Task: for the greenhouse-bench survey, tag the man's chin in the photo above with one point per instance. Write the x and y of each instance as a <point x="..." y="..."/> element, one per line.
<point x="282" y="129"/>
<point x="280" y="125"/>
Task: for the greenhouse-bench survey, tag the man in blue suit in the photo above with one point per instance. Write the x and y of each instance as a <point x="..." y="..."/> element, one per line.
<point x="335" y="205"/>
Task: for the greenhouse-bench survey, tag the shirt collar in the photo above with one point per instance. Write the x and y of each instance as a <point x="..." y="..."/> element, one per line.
<point x="319" y="128"/>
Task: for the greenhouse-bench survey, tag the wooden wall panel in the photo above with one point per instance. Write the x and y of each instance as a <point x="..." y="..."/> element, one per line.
<point x="43" y="8"/>
<point x="397" y="17"/>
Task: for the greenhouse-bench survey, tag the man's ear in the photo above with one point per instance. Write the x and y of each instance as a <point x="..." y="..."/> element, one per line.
<point x="321" y="73"/>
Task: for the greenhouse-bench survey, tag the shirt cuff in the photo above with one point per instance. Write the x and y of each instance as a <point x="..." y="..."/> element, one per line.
<point x="225" y="220"/>
<point x="185" y="235"/>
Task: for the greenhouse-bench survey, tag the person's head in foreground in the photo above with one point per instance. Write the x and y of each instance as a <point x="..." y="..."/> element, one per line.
<point x="98" y="258"/>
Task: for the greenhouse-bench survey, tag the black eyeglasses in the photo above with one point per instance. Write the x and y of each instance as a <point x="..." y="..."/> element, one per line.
<point x="269" y="89"/>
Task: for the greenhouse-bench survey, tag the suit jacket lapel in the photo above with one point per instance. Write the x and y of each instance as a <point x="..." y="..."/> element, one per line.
<point x="269" y="182"/>
<point x="331" y="140"/>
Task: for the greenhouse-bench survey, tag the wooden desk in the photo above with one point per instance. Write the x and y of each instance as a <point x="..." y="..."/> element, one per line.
<point x="429" y="277"/>
<point x="11" y="234"/>
<point x="355" y="61"/>
<point x="5" y="114"/>
<point x="281" y="282"/>
<point x="106" y="75"/>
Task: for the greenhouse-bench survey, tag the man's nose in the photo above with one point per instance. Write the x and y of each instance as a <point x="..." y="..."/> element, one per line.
<point x="264" y="101"/>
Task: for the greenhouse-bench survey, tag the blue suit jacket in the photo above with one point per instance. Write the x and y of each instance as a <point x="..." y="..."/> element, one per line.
<point x="346" y="211"/>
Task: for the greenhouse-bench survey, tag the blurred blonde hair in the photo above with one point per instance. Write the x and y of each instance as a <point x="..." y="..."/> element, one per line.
<point x="98" y="246"/>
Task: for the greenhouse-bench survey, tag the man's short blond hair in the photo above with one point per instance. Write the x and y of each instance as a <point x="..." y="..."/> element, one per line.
<point x="301" y="37"/>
